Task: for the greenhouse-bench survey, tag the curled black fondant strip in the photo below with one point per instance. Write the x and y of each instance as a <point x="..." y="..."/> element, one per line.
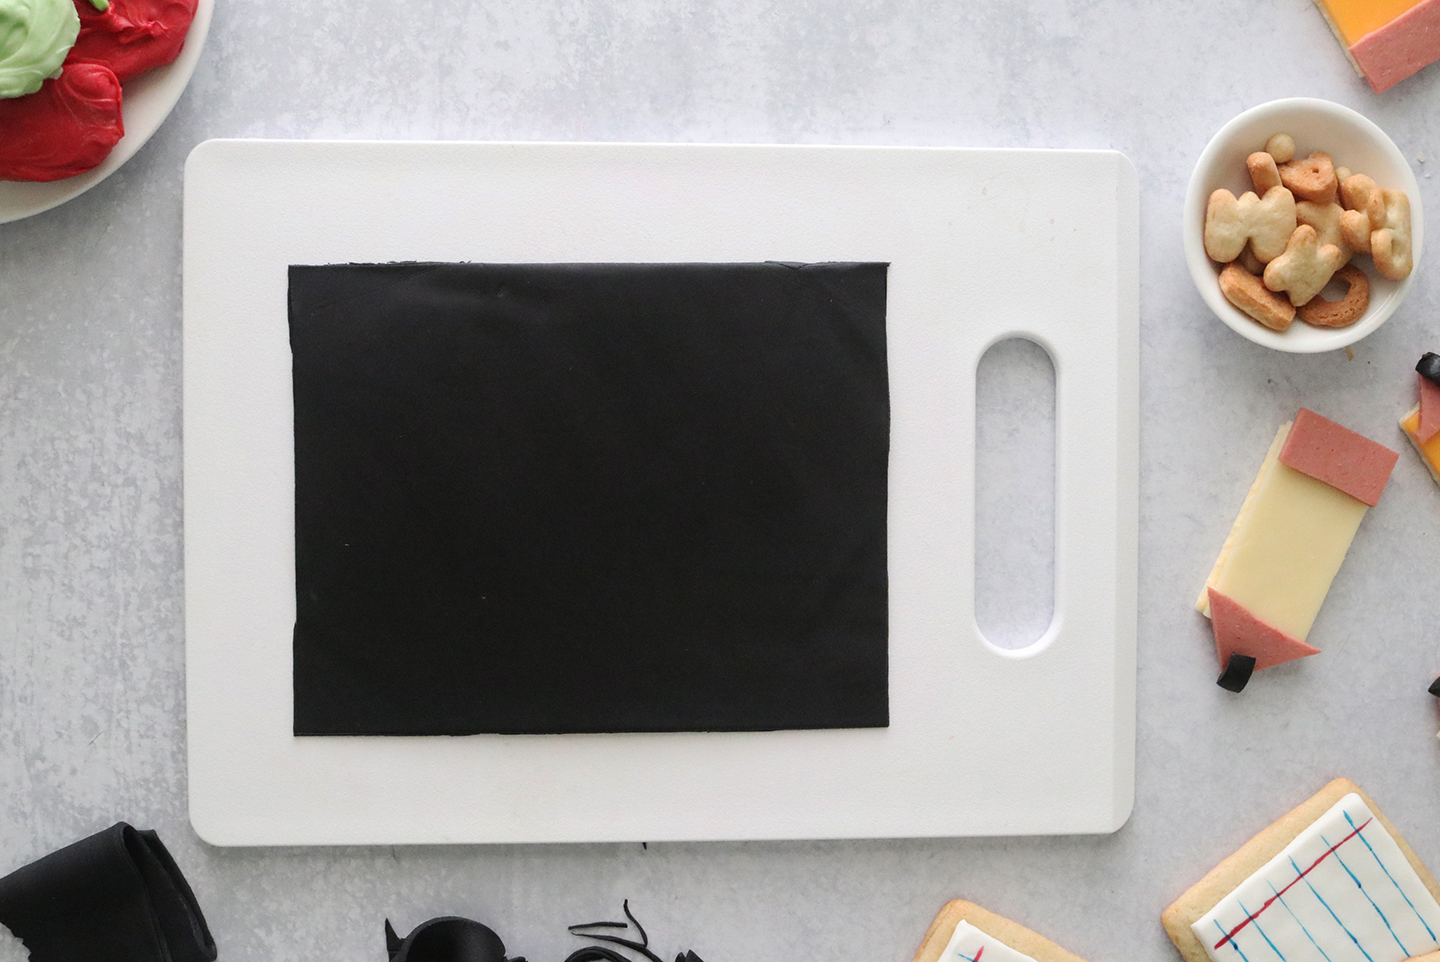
<point x="1237" y="673"/>
<point x="598" y="953"/>
<point x="116" y="896"/>
<point x="1429" y="367"/>
<point x="455" y="939"/>
<point x="610" y="955"/>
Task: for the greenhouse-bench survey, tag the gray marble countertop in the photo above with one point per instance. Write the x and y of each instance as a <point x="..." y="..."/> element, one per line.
<point x="91" y="603"/>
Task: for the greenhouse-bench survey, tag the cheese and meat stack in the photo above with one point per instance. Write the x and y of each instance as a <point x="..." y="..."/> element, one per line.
<point x="1386" y="40"/>
<point x="1421" y="423"/>
<point x="1290" y="538"/>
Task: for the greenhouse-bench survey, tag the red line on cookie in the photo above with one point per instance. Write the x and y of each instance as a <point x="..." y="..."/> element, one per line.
<point x="1276" y="897"/>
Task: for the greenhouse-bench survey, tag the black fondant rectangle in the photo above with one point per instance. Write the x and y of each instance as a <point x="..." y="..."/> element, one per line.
<point x="589" y="497"/>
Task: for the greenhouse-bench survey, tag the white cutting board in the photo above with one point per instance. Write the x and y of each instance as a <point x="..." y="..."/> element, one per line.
<point x="982" y="244"/>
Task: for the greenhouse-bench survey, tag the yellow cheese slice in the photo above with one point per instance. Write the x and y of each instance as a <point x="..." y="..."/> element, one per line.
<point x="1202" y="604"/>
<point x="1286" y="545"/>
<point x="1353" y="19"/>
<point x="1429" y="451"/>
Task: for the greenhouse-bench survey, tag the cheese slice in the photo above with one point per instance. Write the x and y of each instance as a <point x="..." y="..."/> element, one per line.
<point x="1353" y="19"/>
<point x="1202" y="604"/>
<point x="1429" y="451"/>
<point x="1285" y="547"/>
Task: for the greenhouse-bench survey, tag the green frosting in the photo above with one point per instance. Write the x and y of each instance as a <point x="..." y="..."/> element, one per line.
<point x="35" y="36"/>
<point x="101" y="5"/>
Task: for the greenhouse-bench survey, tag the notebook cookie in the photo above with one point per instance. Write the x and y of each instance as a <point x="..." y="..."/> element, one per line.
<point x="1289" y="540"/>
<point x="1330" y="877"/>
<point x="963" y="927"/>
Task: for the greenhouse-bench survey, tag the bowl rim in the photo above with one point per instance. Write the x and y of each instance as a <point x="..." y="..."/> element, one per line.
<point x="1203" y="271"/>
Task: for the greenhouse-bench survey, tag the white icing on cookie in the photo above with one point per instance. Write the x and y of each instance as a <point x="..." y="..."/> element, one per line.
<point x="969" y="944"/>
<point x="1342" y="891"/>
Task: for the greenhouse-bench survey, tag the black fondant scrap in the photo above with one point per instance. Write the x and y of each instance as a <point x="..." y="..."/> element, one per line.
<point x="1237" y="673"/>
<point x="1434" y="688"/>
<point x="1429" y="367"/>
<point x="448" y="939"/>
<point x="116" y="896"/>
<point x="454" y="939"/>
<point x="589" y="498"/>
<point x="602" y="953"/>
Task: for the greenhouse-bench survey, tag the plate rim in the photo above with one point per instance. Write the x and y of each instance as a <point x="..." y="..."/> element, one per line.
<point x="159" y="91"/>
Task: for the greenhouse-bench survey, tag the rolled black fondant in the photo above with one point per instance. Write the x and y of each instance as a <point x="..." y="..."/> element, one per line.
<point x="1429" y="367"/>
<point x="1435" y="688"/>
<point x="116" y="896"/>
<point x="449" y="939"/>
<point x="589" y="498"/>
<point x="599" y="953"/>
<point x="1237" y="673"/>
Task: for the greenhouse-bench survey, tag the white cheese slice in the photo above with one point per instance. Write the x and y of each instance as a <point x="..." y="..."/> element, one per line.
<point x="1286" y="546"/>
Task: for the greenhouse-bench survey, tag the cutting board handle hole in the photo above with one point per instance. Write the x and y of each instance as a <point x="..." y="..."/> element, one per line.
<point x="1014" y="493"/>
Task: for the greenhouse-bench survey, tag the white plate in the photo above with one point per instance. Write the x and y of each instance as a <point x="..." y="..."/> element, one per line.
<point x="148" y="101"/>
<point x="982" y="244"/>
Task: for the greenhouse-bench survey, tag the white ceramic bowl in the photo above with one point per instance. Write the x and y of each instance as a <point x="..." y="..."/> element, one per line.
<point x="1353" y="142"/>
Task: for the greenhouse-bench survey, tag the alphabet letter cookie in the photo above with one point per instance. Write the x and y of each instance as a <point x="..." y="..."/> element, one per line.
<point x="1312" y="178"/>
<point x="1390" y="245"/>
<point x="1347" y="310"/>
<point x="1249" y="293"/>
<point x="1364" y="210"/>
<point x="1305" y="267"/>
<point x="1263" y="172"/>
<point x="1267" y="224"/>
<point x="1329" y="223"/>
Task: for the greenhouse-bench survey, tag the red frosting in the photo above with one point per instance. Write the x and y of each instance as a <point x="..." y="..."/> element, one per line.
<point x="133" y="36"/>
<point x="1238" y="632"/>
<point x="65" y="129"/>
